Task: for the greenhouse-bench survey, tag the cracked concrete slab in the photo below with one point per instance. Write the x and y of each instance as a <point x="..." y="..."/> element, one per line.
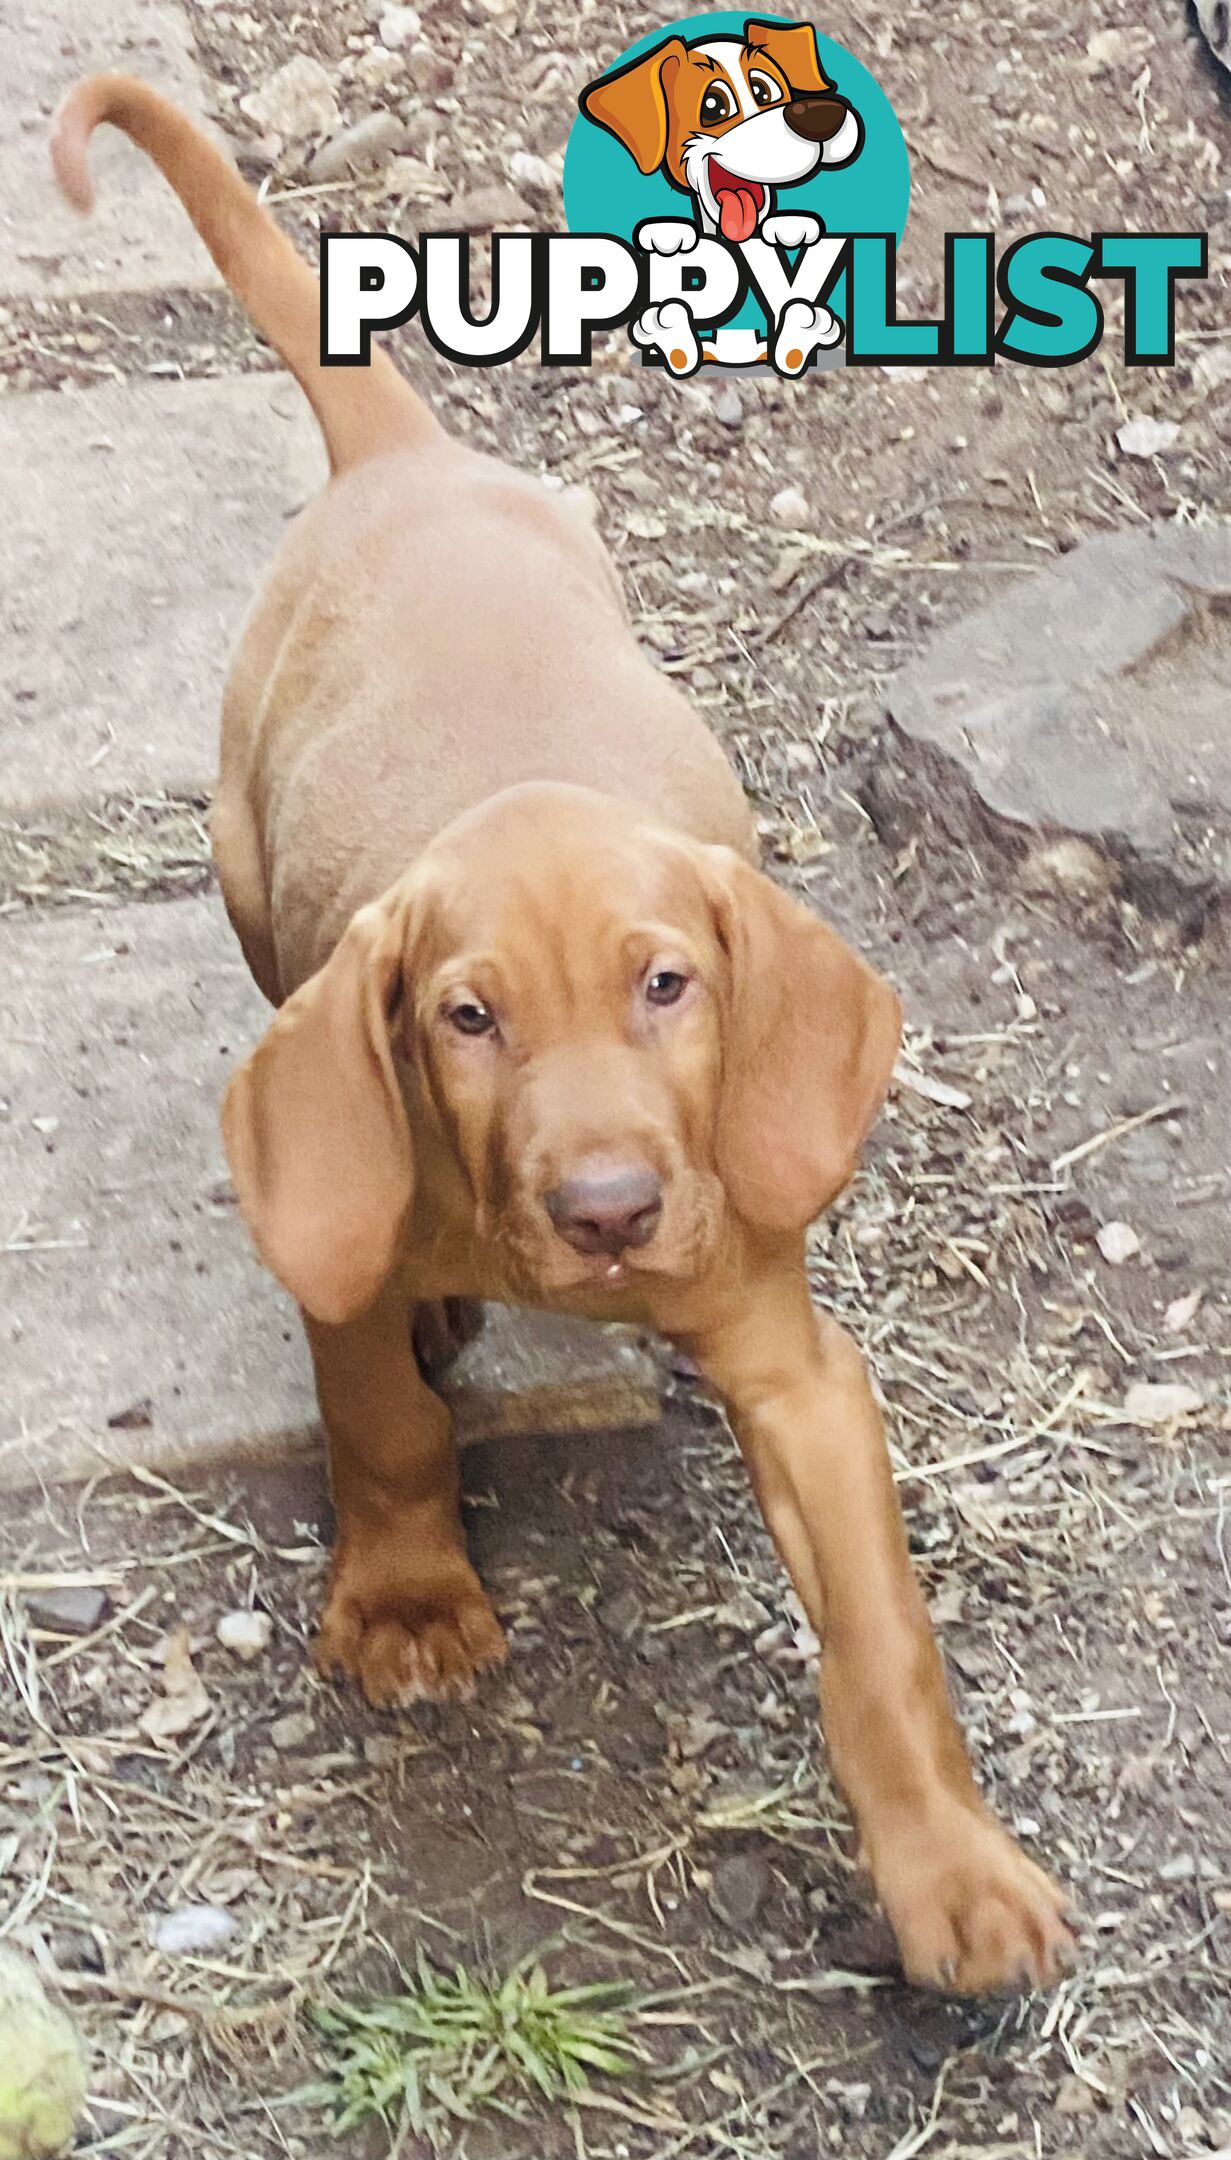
<point x="136" y="1325"/>
<point x="138" y="239"/>
<point x="138" y="519"/>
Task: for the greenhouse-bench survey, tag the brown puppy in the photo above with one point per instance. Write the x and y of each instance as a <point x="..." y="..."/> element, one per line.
<point x="546" y="1035"/>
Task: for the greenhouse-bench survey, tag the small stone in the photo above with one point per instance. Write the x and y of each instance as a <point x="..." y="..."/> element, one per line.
<point x="296" y="102"/>
<point x="70" y="1612"/>
<point x="382" y="1751"/>
<point x="739" y="1889"/>
<point x="398" y="25"/>
<point x="729" y="407"/>
<point x="246" y="1633"/>
<point x="1068" y="866"/>
<point x="1158" y="1402"/>
<point x="1146" y="437"/>
<point x="192" y="1930"/>
<point x="358" y="148"/>
<point x="1074" y="2097"/>
<point x="790" y="508"/>
<point x="533" y="173"/>
<point x="482" y="209"/>
<point x="292" y="1730"/>
<point x="1182" y="1311"/>
<point x="429" y="71"/>
<point x="1118" y="1242"/>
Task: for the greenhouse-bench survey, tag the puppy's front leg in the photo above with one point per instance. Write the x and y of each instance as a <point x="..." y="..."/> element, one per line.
<point x="969" y="1910"/>
<point x="405" y="1614"/>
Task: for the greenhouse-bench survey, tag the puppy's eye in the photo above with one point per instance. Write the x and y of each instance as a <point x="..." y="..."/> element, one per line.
<point x="471" y="1018"/>
<point x="717" y="104"/>
<point x="764" y="89"/>
<point x="666" y="987"/>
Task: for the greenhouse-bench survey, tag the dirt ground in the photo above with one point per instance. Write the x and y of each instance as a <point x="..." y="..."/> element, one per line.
<point x="643" y="1788"/>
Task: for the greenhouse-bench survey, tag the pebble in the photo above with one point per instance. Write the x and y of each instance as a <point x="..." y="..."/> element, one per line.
<point x="192" y="1930"/>
<point x="790" y="508"/>
<point x="246" y="1633"/>
<point x="358" y="148"/>
<point x="70" y="1612"/>
<point x="297" y="101"/>
<point x="729" y="407"/>
<point x="1146" y="437"/>
<point x="1118" y="1242"/>
<point x="739" y="1889"/>
<point x="292" y="1730"/>
<point x="398" y="25"/>
<point x="1156" y="1402"/>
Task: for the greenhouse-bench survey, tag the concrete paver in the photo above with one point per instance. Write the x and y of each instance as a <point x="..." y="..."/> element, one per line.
<point x="137" y="521"/>
<point x="138" y="239"/>
<point x="136" y="1325"/>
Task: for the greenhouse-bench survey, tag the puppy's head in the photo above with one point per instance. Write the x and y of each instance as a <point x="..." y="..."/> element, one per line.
<point x="618" y="1041"/>
<point x="729" y="119"/>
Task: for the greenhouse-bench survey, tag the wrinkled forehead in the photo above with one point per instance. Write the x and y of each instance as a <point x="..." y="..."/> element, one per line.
<point x="558" y="900"/>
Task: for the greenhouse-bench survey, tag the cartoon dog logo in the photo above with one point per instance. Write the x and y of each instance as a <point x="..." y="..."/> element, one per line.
<point x="729" y="120"/>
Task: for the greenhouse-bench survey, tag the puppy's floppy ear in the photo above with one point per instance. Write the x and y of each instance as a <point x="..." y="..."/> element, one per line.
<point x="811" y="1035"/>
<point x="793" y="46"/>
<point x="315" y="1127"/>
<point x="632" y="103"/>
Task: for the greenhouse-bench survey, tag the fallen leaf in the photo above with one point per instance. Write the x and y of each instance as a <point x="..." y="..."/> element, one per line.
<point x="184" y="1700"/>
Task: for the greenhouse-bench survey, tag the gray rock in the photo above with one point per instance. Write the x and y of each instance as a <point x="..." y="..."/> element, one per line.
<point x="292" y="1731"/>
<point x="739" y="1889"/>
<point x="729" y="407"/>
<point x="359" y="148"/>
<point x="192" y="1930"/>
<point x="297" y="101"/>
<point x="1092" y="700"/>
<point x="69" y="1612"/>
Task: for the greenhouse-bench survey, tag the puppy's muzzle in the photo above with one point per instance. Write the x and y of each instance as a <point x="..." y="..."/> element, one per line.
<point x="817" y="117"/>
<point x="607" y="1211"/>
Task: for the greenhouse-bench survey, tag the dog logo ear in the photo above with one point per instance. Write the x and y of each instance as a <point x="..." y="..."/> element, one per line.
<point x="315" y="1126"/>
<point x="793" y="48"/>
<point x="632" y="104"/>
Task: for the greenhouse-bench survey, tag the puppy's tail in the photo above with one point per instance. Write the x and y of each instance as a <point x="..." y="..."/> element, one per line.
<point x="362" y="411"/>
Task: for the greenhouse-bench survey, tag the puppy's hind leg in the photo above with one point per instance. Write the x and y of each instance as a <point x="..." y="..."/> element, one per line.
<point x="405" y="1614"/>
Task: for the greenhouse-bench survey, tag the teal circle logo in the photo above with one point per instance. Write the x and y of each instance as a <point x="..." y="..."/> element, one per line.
<point x="607" y="190"/>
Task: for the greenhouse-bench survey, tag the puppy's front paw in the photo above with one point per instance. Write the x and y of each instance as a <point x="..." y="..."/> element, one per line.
<point x="667" y="236"/>
<point x="420" y="1644"/>
<point x="805" y="328"/>
<point x="670" y="328"/>
<point x="791" y="228"/>
<point x="971" y="1913"/>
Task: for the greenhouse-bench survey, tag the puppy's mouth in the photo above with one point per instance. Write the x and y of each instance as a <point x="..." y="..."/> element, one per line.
<point x="740" y="202"/>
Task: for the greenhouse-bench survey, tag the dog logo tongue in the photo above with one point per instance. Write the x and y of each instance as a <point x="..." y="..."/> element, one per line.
<point x="737" y="214"/>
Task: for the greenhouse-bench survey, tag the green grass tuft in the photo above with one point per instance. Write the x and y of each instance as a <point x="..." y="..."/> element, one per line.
<point x="453" y="2045"/>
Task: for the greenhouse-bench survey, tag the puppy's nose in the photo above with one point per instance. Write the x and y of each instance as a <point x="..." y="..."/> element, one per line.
<point x="816" y="117"/>
<point x="608" y="1210"/>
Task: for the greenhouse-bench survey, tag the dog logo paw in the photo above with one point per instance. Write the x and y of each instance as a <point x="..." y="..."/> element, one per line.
<point x="792" y="229"/>
<point x="805" y="328"/>
<point x="669" y="328"/>
<point x="667" y="236"/>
